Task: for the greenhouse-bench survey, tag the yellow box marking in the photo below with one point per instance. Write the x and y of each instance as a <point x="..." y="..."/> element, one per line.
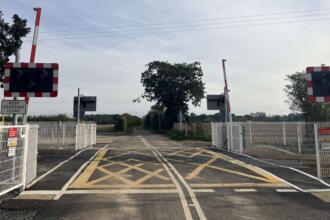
<point x="264" y="176"/>
<point x="88" y="172"/>
<point x="83" y="180"/>
<point x="200" y="167"/>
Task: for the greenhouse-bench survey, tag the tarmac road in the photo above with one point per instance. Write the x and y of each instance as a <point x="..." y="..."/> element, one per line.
<point x="148" y="176"/>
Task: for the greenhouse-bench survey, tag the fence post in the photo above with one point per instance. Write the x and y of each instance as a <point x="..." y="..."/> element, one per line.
<point x="299" y="137"/>
<point x="240" y="136"/>
<point x="26" y="146"/>
<point x="63" y="135"/>
<point x="284" y="134"/>
<point x="250" y="131"/>
<point x="317" y="150"/>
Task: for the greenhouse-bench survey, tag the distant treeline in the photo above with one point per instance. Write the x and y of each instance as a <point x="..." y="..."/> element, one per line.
<point x="151" y="120"/>
<point x="259" y="116"/>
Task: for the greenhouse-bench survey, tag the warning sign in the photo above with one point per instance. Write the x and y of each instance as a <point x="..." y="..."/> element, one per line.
<point x="325" y="138"/>
<point x="12" y="141"/>
<point x="13" y="107"/>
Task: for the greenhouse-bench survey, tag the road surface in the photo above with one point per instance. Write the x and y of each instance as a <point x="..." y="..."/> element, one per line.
<point x="148" y="176"/>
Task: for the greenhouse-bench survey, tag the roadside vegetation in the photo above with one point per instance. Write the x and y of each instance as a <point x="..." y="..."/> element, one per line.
<point x="196" y="134"/>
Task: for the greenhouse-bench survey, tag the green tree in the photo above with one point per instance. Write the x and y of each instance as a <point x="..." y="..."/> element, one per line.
<point x="296" y="91"/>
<point x="172" y="87"/>
<point x="11" y="39"/>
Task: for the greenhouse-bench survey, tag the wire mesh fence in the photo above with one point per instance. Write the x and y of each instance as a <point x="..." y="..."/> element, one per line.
<point x="297" y="137"/>
<point x="65" y="136"/>
<point x="18" y="161"/>
<point x="284" y="137"/>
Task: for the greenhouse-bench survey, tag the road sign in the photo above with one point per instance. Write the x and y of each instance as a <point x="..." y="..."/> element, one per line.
<point x="318" y="84"/>
<point x="31" y="80"/>
<point x="12" y="141"/>
<point x="9" y="107"/>
<point x="87" y="103"/>
<point x="215" y="102"/>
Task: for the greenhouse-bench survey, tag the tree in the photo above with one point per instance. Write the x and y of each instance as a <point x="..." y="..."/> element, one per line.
<point x="172" y="87"/>
<point x="11" y="39"/>
<point x="296" y="91"/>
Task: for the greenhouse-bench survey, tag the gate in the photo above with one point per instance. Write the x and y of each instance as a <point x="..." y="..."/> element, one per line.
<point x="18" y="156"/>
<point x="322" y="149"/>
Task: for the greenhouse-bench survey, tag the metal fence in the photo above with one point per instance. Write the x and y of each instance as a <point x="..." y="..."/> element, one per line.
<point x="297" y="137"/>
<point x="65" y="136"/>
<point x="18" y="165"/>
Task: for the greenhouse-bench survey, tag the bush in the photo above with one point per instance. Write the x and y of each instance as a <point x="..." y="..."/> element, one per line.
<point x="119" y="125"/>
<point x="176" y="135"/>
<point x="198" y="134"/>
<point x="131" y="122"/>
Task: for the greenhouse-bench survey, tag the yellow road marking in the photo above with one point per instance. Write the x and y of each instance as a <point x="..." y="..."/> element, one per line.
<point x="148" y="176"/>
<point x="240" y="173"/>
<point x="109" y="175"/>
<point x="199" y="169"/>
<point x="259" y="171"/>
<point x="176" y="152"/>
<point x="270" y="178"/>
<point x="196" y="153"/>
<point x="324" y="196"/>
<point x="83" y="178"/>
<point x="146" y="171"/>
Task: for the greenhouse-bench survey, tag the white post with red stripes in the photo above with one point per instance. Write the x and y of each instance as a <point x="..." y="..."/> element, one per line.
<point x="228" y="111"/>
<point x="35" y="35"/>
<point x="33" y="54"/>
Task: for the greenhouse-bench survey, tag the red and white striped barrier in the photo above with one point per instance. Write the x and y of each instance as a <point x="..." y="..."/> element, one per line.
<point x="9" y="66"/>
<point x="35" y="35"/>
<point x="309" y="72"/>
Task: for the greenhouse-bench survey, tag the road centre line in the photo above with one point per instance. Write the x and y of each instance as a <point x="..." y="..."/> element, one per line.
<point x="183" y="200"/>
<point x="56" y="167"/>
<point x="66" y="186"/>
<point x="188" y="188"/>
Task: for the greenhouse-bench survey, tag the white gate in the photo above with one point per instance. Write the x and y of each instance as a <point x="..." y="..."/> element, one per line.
<point x="322" y="151"/>
<point x="18" y="162"/>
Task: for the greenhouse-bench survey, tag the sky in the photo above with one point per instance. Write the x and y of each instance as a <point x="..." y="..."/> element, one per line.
<point x="103" y="46"/>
